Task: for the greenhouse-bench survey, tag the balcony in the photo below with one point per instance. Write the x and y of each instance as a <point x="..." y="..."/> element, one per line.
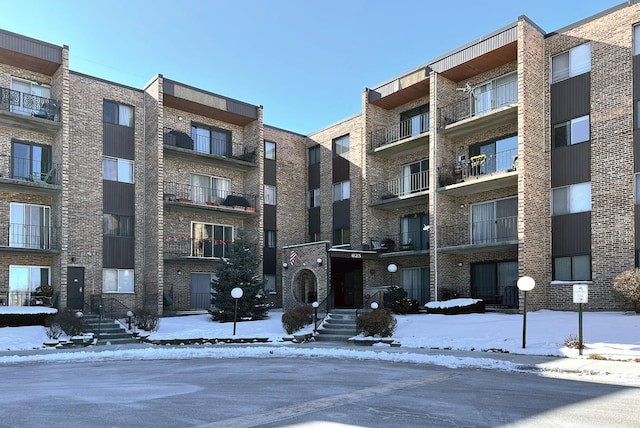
<point x="179" y="247"/>
<point x="29" y="112"/>
<point x="480" y="173"/>
<point x="400" y="137"/>
<point x="481" y="236"/>
<point x="234" y="155"/>
<point x="30" y="238"/>
<point x="29" y="175"/>
<point x="403" y="245"/>
<point x="480" y="110"/>
<point x="205" y="198"/>
<point x="400" y="192"/>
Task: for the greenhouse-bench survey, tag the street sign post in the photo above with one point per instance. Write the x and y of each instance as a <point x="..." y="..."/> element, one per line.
<point x="580" y="296"/>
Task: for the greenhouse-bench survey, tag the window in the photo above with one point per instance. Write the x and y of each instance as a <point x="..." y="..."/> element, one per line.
<point x="269" y="150"/>
<point x="341" y="236"/>
<point x="571" y="63"/>
<point x="118" y="114"/>
<point x="314" y="198"/>
<point x="269" y="194"/>
<point x="572" y="268"/>
<point x="117" y="225"/>
<point x="212" y="141"/>
<point x="415" y="177"/>
<point x="30" y="226"/>
<point x="494" y="221"/>
<point x="573" y="131"/>
<point x="31" y="162"/>
<point x="270" y="283"/>
<point x="571" y="199"/>
<point x="117" y="280"/>
<point x="24" y="280"/>
<point x="29" y="98"/>
<point x="636" y="39"/>
<point x="205" y="188"/>
<point x="637" y="188"/>
<point x="489" y="282"/>
<point x="413" y="122"/>
<point x="341" y="191"/>
<point x="270" y="239"/>
<point x="210" y="240"/>
<point x="637" y="115"/>
<point x="314" y="155"/>
<point x="499" y="92"/>
<point x="499" y="155"/>
<point x="115" y="169"/>
<point x="415" y="281"/>
<point x="314" y="237"/>
<point x="341" y="145"/>
<point x="414" y="232"/>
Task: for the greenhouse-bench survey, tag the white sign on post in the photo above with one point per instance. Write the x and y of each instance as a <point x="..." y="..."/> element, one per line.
<point x="580" y="293"/>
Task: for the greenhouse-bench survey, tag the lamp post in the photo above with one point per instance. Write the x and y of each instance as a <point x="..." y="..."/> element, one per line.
<point x="315" y="316"/>
<point x="526" y="283"/>
<point x="392" y="268"/>
<point x="236" y="293"/>
<point x="129" y="316"/>
<point x="374" y="305"/>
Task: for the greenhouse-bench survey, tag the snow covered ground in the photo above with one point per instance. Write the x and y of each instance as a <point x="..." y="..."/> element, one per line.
<point x="612" y="335"/>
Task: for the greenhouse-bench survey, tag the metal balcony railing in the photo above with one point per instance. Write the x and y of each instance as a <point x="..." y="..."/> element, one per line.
<point x="29" y="105"/>
<point x="477" y="166"/>
<point x="207" y="195"/>
<point x="399" y="131"/>
<point x="29" y="169"/>
<point x="478" y="103"/>
<point x="186" y="246"/>
<point x="484" y="232"/>
<point x="415" y="240"/>
<point x="204" y="144"/>
<point x="30" y="236"/>
<point x="400" y="186"/>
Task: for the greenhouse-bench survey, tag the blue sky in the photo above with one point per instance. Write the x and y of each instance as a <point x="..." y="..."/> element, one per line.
<point x="306" y="62"/>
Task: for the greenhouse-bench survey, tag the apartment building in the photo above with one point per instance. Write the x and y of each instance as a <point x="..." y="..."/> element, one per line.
<point x="513" y="155"/>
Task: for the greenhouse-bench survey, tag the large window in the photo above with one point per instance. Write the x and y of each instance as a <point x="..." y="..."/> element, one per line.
<point x="270" y="283"/>
<point x="489" y="282"/>
<point x="30" y="226"/>
<point x="117" y="225"/>
<point x="415" y="282"/>
<point x="269" y="150"/>
<point x="210" y="240"/>
<point x="30" y="97"/>
<point x="270" y="239"/>
<point x="414" y="231"/>
<point x="31" y="162"/>
<point x="637" y="188"/>
<point x="572" y="63"/>
<point x="499" y="155"/>
<point x="494" y="221"/>
<point x="269" y="194"/>
<point x="205" y="188"/>
<point x="341" y="236"/>
<point x="314" y="155"/>
<point x="573" y="131"/>
<point x="496" y="93"/>
<point x="24" y="280"/>
<point x="415" y="177"/>
<point x="213" y="141"/>
<point x="572" y="268"/>
<point x="116" y="169"/>
<point x="636" y="40"/>
<point x="117" y="280"/>
<point x="118" y="114"/>
<point x="314" y="198"/>
<point x="341" y="191"/>
<point x="571" y="199"/>
<point x="414" y="122"/>
<point x="341" y="145"/>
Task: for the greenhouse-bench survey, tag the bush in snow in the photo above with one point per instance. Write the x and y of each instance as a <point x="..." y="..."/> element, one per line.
<point x="395" y="298"/>
<point x="376" y="323"/>
<point x="297" y="318"/>
<point x="69" y="322"/>
<point x="146" y="320"/>
<point x="628" y="284"/>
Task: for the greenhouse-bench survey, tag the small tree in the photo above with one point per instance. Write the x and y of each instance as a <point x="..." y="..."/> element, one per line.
<point x="239" y="269"/>
<point x="628" y="284"/>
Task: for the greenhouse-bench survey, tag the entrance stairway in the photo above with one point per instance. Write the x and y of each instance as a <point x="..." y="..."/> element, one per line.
<point x="108" y="331"/>
<point x="338" y="326"/>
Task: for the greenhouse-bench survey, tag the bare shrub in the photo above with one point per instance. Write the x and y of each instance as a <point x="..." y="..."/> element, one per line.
<point x="628" y="284"/>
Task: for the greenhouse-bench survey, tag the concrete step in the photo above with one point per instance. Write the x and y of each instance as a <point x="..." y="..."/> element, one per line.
<point x="338" y="326"/>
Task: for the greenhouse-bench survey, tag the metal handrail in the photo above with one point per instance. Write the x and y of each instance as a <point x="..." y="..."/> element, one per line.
<point x="400" y="186"/>
<point x="398" y="131"/>
<point x="29" y="104"/>
<point x="224" y="149"/>
<point x="197" y="194"/>
<point x="377" y="297"/>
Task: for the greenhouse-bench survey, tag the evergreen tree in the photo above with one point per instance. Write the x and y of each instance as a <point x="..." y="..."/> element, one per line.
<point x="239" y="269"/>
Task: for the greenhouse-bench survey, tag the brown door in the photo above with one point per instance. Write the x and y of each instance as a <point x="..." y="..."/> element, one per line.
<point x="75" y="288"/>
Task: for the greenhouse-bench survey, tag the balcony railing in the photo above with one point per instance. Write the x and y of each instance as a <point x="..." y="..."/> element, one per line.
<point x="206" y="195"/>
<point x="399" y="131"/>
<point x="29" y="169"/>
<point x="478" y="103"/>
<point x="477" y="166"/>
<point x="417" y="240"/>
<point x="29" y="236"/>
<point x="29" y="105"/>
<point x="400" y="186"/>
<point x="186" y="246"/>
<point x="204" y="144"/>
<point x="484" y="232"/>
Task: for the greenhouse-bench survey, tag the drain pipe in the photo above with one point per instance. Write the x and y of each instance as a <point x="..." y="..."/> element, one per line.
<point x="435" y="184"/>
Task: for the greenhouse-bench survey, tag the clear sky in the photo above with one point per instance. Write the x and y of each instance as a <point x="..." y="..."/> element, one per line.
<point x="306" y="62"/>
